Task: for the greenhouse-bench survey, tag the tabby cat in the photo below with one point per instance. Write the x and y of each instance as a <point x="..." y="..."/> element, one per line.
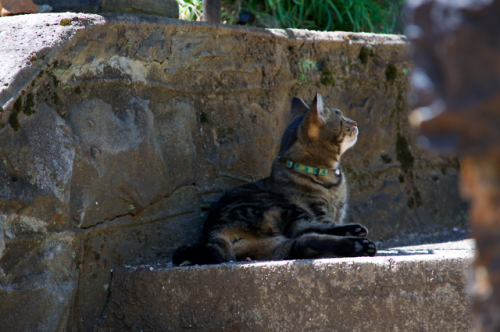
<point x="297" y="211"/>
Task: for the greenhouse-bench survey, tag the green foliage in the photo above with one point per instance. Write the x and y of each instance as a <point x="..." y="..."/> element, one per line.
<point x="190" y="10"/>
<point x="329" y="15"/>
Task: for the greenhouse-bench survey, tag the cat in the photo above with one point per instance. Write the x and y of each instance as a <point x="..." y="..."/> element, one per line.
<point x="296" y="212"/>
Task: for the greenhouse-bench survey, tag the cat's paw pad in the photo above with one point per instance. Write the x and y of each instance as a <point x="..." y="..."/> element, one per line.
<point x="356" y="230"/>
<point x="364" y="247"/>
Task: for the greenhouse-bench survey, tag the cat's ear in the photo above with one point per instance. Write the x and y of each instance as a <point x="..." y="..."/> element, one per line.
<point x="314" y="120"/>
<point x="298" y="108"/>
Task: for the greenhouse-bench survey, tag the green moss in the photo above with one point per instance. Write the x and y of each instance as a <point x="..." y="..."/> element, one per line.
<point x="302" y="78"/>
<point x="33" y="83"/>
<point x="391" y="72"/>
<point x="327" y="75"/>
<point x="56" y="63"/>
<point x="304" y="66"/>
<point x="403" y="153"/>
<point x="14" y="122"/>
<point x="365" y="53"/>
<point x="30" y="102"/>
<point x="386" y="158"/>
<point x="56" y="98"/>
<point x="65" y="22"/>
<point x="78" y="90"/>
<point x="41" y="74"/>
<point x="18" y="105"/>
<point x="203" y="118"/>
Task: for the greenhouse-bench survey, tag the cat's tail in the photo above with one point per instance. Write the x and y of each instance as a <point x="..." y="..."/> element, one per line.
<point x="197" y="254"/>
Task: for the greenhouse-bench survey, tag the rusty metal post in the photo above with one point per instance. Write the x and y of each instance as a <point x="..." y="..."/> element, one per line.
<point x="212" y="11"/>
<point x="456" y="81"/>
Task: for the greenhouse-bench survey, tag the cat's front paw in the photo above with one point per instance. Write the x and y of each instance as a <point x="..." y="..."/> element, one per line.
<point x="363" y="247"/>
<point x="356" y="230"/>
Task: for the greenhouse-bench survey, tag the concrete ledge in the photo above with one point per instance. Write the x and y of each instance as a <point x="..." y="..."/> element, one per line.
<point x="411" y="292"/>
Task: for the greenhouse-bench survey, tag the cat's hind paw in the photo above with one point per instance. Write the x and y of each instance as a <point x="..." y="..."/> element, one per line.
<point x="364" y="247"/>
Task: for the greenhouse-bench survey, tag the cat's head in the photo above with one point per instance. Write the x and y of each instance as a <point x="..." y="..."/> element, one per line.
<point x="317" y="131"/>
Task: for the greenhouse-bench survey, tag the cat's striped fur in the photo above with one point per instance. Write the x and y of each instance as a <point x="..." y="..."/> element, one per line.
<point x="290" y="214"/>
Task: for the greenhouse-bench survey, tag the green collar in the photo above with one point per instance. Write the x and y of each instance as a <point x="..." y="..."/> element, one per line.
<point x="309" y="169"/>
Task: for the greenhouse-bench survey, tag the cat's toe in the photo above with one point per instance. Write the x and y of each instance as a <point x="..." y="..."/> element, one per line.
<point x="357" y="247"/>
<point x="364" y="247"/>
<point x="356" y="230"/>
<point x="360" y="231"/>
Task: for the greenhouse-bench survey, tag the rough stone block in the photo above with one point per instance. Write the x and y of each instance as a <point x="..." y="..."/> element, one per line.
<point x="167" y="8"/>
<point x="121" y="130"/>
<point x="81" y="6"/>
<point x="410" y="292"/>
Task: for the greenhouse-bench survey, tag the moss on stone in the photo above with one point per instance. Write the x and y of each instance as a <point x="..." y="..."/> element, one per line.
<point x="365" y="53"/>
<point x="56" y="98"/>
<point x="18" y="105"/>
<point x="391" y="72"/>
<point x="403" y="153"/>
<point x="78" y="90"/>
<point x="14" y="122"/>
<point x="304" y="66"/>
<point x="30" y="102"/>
<point x="327" y="75"/>
<point x="65" y="22"/>
<point x="203" y="118"/>
<point x="54" y="78"/>
<point x="386" y="158"/>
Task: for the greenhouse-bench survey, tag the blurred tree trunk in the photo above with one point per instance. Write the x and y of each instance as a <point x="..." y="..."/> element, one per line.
<point x="212" y="11"/>
<point x="456" y="82"/>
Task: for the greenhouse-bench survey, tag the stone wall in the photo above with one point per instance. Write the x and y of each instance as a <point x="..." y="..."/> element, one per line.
<point x="166" y="8"/>
<point x="118" y="132"/>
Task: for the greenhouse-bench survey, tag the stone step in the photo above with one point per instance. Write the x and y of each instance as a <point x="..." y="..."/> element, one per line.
<point x="419" y="288"/>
